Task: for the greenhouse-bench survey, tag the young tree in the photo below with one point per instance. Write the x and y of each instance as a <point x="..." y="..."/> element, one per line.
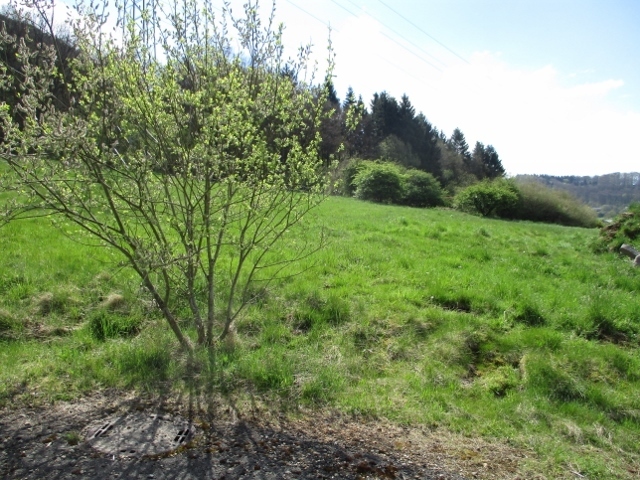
<point x="395" y="150"/>
<point x="192" y="160"/>
<point x="426" y="144"/>
<point x="357" y="128"/>
<point x="39" y="35"/>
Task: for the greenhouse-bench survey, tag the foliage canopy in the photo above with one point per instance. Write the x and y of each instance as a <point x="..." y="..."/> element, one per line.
<point x="488" y="198"/>
<point x="189" y="158"/>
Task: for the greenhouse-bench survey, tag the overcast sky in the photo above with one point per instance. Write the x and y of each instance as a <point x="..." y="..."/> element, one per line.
<point x="553" y="85"/>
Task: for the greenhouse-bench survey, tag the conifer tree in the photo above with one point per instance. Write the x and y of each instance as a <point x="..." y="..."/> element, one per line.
<point x="492" y="164"/>
<point x="459" y="144"/>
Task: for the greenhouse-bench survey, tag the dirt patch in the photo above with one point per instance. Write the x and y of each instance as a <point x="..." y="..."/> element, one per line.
<point x="49" y="442"/>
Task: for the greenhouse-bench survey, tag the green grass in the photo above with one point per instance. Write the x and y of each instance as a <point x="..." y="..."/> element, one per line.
<point x="513" y="331"/>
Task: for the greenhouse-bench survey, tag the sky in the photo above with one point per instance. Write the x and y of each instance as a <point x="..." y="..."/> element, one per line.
<point x="553" y="85"/>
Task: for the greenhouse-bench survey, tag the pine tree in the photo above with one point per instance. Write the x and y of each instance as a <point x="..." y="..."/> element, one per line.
<point x="331" y="129"/>
<point x="477" y="164"/>
<point x="385" y="116"/>
<point x="349" y="100"/>
<point x="332" y="94"/>
<point x="459" y="144"/>
<point x="492" y="164"/>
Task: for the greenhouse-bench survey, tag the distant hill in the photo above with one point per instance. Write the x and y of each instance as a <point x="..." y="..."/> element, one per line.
<point x="607" y="194"/>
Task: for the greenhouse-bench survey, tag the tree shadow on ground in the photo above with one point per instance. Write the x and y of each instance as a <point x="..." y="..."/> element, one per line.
<point x="49" y="442"/>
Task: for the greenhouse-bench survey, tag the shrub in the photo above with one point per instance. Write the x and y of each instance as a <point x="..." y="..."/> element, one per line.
<point x="387" y="182"/>
<point x="525" y="201"/>
<point x="421" y="189"/>
<point x="379" y="182"/>
<point x="539" y="203"/>
<point x="498" y="197"/>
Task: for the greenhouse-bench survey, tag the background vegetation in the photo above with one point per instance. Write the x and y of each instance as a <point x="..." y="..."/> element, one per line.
<point x="608" y="194"/>
<point x="525" y="200"/>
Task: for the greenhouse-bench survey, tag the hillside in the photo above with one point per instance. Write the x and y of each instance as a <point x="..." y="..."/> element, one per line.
<point x="508" y="332"/>
<point x="607" y="194"/>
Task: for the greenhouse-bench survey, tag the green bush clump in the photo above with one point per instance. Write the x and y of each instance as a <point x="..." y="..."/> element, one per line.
<point x="421" y="189"/>
<point x="387" y="182"/>
<point x="488" y="198"/>
<point x="525" y="201"/>
<point x="379" y="182"/>
<point x="539" y="203"/>
<point x="625" y="228"/>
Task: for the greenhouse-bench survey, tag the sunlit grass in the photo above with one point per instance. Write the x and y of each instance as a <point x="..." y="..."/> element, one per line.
<point x="509" y="330"/>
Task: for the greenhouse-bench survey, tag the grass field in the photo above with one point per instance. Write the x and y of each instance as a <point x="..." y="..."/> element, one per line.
<point x="505" y="330"/>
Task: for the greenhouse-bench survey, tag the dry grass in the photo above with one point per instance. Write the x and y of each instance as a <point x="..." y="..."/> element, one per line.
<point x="114" y="302"/>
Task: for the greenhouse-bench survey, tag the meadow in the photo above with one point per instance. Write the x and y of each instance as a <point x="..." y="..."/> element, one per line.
<point x="511" y="331"/>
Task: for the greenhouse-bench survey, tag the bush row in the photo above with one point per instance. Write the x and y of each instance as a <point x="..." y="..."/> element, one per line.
<point x="525" y="201"/>
<point x="387" y="182"/>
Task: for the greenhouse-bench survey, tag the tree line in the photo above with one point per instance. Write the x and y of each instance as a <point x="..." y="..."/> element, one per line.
<point x="392" y="130"/>
<point x="387" y="129"/>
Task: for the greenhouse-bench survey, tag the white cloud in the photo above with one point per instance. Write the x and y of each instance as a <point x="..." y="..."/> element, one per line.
<point x="537" y="124"/>
<point x="539" y="119"/>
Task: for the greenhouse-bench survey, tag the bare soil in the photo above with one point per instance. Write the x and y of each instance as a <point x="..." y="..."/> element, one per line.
<point x="48" y="442"/>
